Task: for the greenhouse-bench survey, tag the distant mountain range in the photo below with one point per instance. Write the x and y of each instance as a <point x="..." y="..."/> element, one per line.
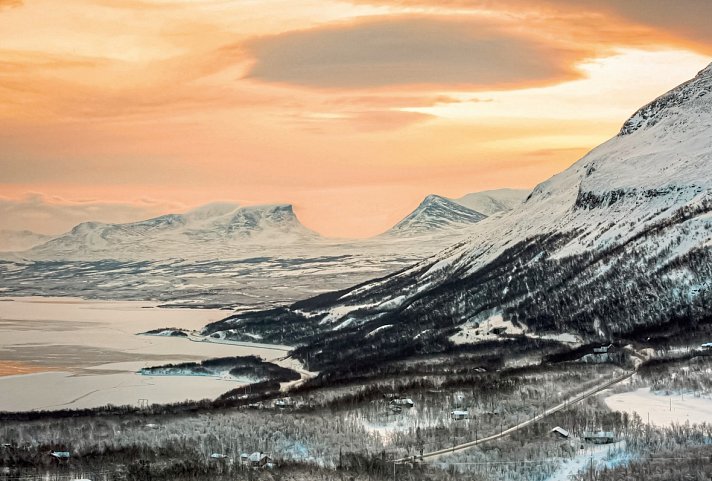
<point x="223" y="255"/>
<point x="227" y="230"/>
<point x="212" y="230"/>
<point x="616" y="248"/>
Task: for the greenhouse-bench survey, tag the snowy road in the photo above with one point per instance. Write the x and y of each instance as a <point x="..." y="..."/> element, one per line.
<point x="538" y="417"/>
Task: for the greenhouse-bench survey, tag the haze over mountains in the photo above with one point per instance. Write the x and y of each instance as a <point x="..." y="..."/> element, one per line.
<point x="20" y="240"/>
<point x="618" y="245"/>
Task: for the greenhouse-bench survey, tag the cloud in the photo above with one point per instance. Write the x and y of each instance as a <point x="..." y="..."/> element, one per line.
<point x="688" y="20"/>
<point x="410" y="51"/>
<point x="53" y="215"/>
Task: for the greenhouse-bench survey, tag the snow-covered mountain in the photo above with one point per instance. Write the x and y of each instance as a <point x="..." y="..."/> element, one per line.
<point x="20" y="240"/>
<point x="491" y="202"/>
<point x="435" y="215"/>
<point x="618" y="246"/>
<point x="207" y="231"/>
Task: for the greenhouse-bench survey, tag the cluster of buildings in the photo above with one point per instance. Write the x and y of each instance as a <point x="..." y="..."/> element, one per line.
<point x="258" y="459"/>
<point x="591" y="437"/>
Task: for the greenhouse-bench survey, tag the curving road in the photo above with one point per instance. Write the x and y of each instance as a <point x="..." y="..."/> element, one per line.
<point x="507" y="432"/>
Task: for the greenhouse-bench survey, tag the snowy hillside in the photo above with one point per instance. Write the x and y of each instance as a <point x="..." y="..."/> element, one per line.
<point x="617" y="244"/>
<point x="435" y="215"/>
<point x="491" y="202"/>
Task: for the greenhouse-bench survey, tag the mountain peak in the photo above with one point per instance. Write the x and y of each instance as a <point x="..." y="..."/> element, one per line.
<point x="671" y="104"/>
<point x="436" y="214"/>
<point x="434" y="199"/>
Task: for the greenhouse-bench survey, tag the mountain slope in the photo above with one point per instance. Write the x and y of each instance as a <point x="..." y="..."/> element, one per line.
<point x="209" y="231"/>
<point x="617" y="246"/>
<point x="491" y="202"/>
<point x="435" y="215"/>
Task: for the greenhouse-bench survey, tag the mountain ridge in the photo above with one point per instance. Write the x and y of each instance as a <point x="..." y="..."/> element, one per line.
<point x="221" y="225"/>
<point x="584" y="255"/>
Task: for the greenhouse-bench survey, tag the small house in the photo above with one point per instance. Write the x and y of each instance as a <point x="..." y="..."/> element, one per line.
<point x="283" y="403"/>
<point x="707" y="346"/>
<point x="244" y="458"/>
<point x="459" y="415"/>
<point x="218" y="456"/>
<point x="404" y="402"/>
<point x="561" y="432"/>
<point x="60" y="456"/>
<point x="599" y="437"/>
<point x="259" y="459"/>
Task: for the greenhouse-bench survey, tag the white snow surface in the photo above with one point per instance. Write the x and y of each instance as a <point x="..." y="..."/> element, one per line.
<point x="663" y="409"/>
<point x="491" y="202"/>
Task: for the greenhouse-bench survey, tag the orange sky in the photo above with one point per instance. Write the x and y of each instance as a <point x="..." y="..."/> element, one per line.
<point x="115" y="110"/>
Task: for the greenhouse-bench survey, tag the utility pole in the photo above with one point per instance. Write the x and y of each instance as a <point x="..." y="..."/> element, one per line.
<point x="591" y="468"/>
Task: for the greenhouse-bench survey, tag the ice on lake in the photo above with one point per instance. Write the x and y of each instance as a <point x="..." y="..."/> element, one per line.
<point x="58" y="353"/>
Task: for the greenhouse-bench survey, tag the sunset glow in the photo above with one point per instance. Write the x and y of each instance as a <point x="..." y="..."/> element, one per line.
<point x="115" y="110"/>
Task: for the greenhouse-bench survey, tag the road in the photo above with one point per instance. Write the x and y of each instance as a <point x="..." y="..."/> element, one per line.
<point x="507" y="432"/>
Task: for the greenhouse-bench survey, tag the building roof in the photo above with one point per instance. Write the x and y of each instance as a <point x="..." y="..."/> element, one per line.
<point x="561" y="431"/>
<point x="458" y="412"/>
<point x="60" y="454"/>
<point x="258" y="456"/>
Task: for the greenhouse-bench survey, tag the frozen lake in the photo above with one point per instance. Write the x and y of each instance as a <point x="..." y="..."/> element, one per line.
<point x="58" y="353"/>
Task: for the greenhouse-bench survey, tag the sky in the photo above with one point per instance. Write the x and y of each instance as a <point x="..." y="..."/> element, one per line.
<point x="352" y="111"/>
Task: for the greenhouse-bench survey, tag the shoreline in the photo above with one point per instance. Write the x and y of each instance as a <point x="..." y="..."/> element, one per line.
<point x="84" y="354"/>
